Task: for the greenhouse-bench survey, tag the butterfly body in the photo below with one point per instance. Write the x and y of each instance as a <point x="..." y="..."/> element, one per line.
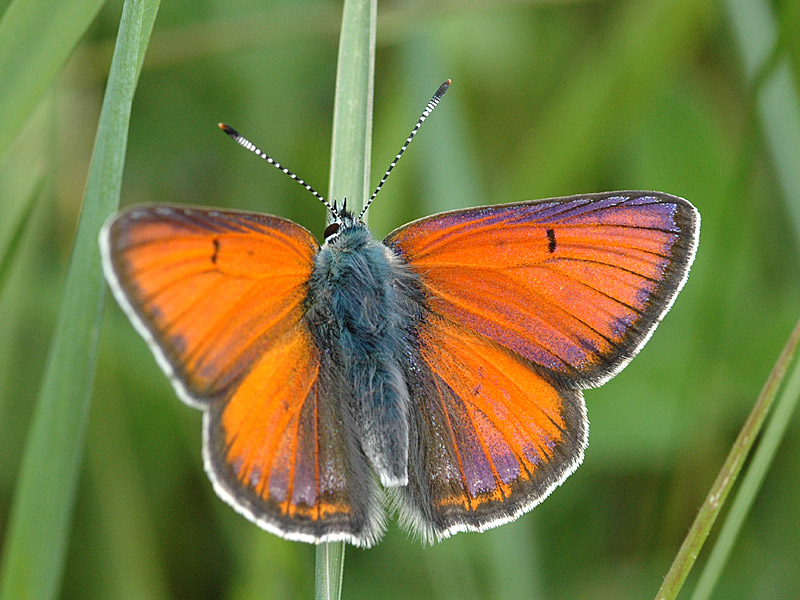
<point x="439" y="370"/>
<point x="363" y="304"/>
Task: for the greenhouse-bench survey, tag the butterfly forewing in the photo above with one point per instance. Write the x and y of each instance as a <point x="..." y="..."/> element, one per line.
<point x="209" y="290"/>
<point x="220" y="298"/>
<point x="575" y="285"/>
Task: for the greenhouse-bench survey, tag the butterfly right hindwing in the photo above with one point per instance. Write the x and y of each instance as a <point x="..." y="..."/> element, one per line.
<point x="490" y="438"/>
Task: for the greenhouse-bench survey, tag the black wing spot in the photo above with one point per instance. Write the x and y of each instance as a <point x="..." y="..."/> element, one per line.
<point x="551" y="239"/>
<point x="216" y="251"/>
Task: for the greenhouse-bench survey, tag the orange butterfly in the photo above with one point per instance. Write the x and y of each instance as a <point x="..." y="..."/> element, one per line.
<point x="447" y="360"/>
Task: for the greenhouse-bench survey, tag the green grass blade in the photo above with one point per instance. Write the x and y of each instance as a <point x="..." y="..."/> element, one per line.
<point x="767" y="68"/>
<point x="708" y="512"/>
<point x="778" y="102"/>
<point x="41" y="513"/>
<point x="778" y="106"/>
<point x="8" y="250"/>
<point x="352" y="117"/>
<point x="350" y="162"/>
<point x="36" y="38"/>
<point x="751" y="483"/>
<point x="329" y="571"/>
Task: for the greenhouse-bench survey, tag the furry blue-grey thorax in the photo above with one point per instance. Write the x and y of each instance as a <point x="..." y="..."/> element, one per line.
<point x="363" y="304"/>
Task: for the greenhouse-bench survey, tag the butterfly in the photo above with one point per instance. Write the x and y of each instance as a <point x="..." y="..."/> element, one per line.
<point x="438" y="373"/>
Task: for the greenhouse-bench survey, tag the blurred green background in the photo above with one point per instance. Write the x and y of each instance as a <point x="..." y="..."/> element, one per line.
<point x="698" y="98"/>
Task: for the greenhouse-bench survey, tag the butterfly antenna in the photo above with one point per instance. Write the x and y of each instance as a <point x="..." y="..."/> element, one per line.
<point x="428" y="110"/>
<point x="247" y="144"/>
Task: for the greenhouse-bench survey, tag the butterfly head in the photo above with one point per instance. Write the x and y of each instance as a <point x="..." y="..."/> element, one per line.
<point x="341" y="220"/>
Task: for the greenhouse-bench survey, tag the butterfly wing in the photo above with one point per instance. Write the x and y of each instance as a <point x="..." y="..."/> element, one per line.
<point x="219" y="297"/>
<point x="575" y="285"/>
<point x="529" y="303"/>
<point x="489" y="437"/>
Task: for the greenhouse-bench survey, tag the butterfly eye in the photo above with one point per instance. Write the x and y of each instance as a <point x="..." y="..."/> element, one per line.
<point x="331" y="230"/>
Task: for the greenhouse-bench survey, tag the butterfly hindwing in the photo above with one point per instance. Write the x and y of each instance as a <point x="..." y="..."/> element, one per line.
<point x="491" y="438"/>
<point x="276" y="450"/>
<point x="220" y="298"/>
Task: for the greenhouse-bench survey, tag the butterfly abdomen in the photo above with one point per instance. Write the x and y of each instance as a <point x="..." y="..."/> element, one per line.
<point x="360" y="316"/>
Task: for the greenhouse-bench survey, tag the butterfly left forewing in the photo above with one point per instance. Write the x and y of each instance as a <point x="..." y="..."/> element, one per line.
<point x="207" y="289"/>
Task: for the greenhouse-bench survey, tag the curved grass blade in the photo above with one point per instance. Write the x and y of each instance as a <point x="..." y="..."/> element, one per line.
<point x="9" y="250"/>
<point x="753" y="478"/>
<point x="708" y="512"/>
<point x="41" y="513"/>
<point x="36" y="38"/>
<point x="778" y="106"/>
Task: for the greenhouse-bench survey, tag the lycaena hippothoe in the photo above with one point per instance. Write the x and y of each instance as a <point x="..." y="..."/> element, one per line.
<point x="442" y="367"/>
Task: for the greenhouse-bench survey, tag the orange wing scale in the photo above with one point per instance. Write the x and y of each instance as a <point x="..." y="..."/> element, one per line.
<point x="515" y="414"/>
<point x="286" y="372"/>
<point x="277" y="448"/>
<point x="494" y="436"/>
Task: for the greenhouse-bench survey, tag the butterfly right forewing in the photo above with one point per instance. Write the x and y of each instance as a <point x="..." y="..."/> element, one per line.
<point x="575" y="285"/>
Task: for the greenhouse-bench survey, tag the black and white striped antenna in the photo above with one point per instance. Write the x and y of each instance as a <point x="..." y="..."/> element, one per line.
<point x="425" y="113"/>
<point x="247" y="144"/>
